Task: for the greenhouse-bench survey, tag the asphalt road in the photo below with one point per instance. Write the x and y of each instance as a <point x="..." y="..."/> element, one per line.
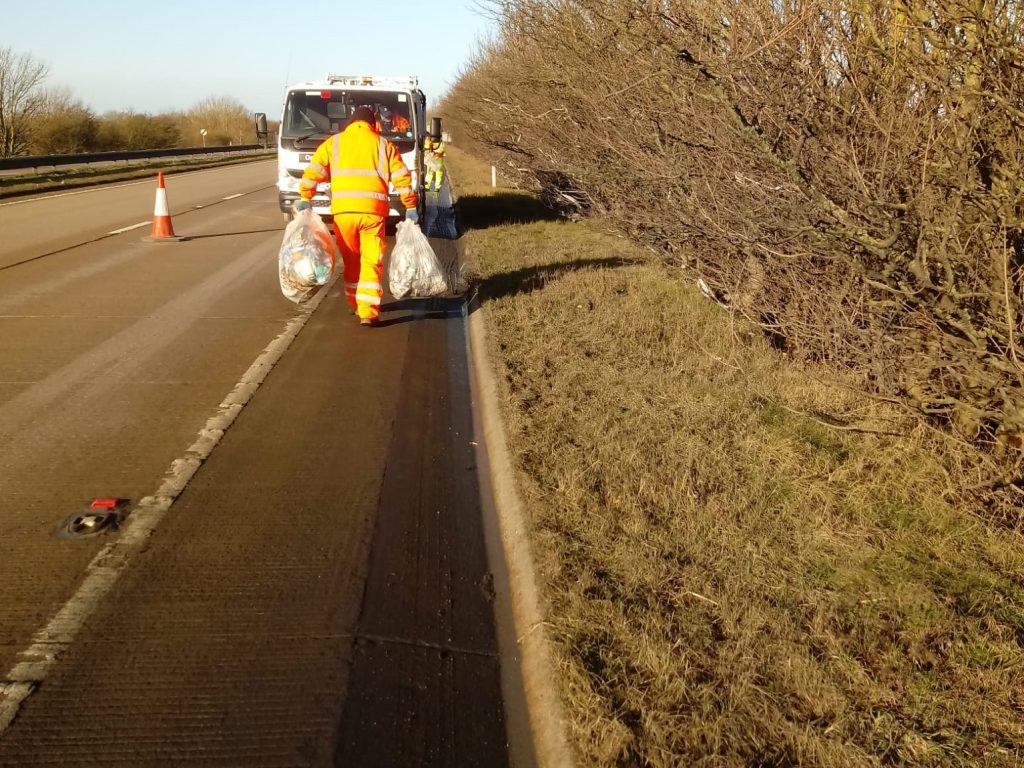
<point x="318" y="593"/>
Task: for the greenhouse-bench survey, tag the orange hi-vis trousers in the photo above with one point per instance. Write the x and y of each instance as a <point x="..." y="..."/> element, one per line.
<point x="360" y="238"/>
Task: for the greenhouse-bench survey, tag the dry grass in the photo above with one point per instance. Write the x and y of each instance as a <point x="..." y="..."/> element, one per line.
<point x="735" y="572"/>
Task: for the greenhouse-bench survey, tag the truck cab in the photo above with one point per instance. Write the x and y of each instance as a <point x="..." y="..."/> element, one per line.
<point x="314" y="111"/>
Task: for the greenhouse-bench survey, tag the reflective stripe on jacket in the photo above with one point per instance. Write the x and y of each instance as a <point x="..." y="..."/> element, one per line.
<point x="359" y="164"/>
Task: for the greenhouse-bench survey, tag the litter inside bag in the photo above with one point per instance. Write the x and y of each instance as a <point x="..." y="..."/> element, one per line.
<point x="414" y="270"/>
<point x="307" y="256"/>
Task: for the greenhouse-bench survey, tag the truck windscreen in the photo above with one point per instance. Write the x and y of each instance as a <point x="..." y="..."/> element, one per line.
<point x="312" y="114"/>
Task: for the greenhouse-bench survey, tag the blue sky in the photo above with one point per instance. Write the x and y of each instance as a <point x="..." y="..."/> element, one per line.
<point x="155" y="56"/>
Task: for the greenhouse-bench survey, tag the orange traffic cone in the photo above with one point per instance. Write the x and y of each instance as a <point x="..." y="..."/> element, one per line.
<point x="162" y="229"/>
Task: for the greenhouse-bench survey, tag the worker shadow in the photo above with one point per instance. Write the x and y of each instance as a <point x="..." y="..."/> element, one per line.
<point x="484" y="211"/>
<point x="530" y="279"/>
<point x="233" y="234"/>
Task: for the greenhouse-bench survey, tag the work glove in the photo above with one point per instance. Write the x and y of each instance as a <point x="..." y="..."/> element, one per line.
<point x="301" y="205"/>
<point x="412" y="215"/>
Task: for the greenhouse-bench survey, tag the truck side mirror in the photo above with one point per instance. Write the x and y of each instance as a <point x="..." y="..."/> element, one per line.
<point x="435" y="128"/>
<point x="261" y="128"/>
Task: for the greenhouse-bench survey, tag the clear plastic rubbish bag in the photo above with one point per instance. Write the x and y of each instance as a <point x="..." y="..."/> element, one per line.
<point x="414" y="270"/>
<point x="307" y="256"/>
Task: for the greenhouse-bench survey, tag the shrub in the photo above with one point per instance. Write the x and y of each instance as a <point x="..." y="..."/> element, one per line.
<point x="845" y="172"/>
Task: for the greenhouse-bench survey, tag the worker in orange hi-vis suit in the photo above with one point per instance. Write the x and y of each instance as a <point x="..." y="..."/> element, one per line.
<point x="391" y="121"/>
<point x="359" y="163"/>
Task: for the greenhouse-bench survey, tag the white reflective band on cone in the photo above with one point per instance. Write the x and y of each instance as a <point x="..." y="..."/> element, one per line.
<point x="160" y="208"/>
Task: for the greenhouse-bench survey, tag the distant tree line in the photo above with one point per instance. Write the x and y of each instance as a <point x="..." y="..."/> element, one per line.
<point x="35" y="120"/>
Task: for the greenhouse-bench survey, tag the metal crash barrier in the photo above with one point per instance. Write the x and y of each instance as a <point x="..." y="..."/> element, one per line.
<point x="36" y="162"/>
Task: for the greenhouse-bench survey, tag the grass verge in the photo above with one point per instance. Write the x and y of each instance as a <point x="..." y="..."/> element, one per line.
<point x="743" y="562"/>
<point x="87" y="176"/>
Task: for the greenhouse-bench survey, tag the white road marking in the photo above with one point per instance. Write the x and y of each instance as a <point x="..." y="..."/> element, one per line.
<point x="35" y="662"/>
<point x="232" y="197"/>
<point x="98" y="237"/>
<point x="128" y="229"/>
<point x="11" y="696"/>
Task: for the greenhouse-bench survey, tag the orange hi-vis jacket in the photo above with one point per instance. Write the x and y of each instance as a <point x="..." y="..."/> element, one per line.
<point x="359" y="163"/>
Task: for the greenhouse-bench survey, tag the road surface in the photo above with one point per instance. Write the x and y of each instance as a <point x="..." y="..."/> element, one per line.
<point x="318" y="593"/>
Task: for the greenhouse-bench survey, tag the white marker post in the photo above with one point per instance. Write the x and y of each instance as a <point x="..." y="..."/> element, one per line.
<point x="494" y="176"/>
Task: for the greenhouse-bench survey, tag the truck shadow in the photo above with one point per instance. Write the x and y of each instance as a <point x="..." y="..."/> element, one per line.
<point x="481" y="290"/>
<point x="483" y="211"/>
<point x="529" y="279"/>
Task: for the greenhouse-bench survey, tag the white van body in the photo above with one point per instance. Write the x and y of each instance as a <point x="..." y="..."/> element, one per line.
<point x="314" y="111"/>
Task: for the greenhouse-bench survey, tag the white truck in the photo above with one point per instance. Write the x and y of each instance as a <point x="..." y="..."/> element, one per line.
<point x="313" y="111"/>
